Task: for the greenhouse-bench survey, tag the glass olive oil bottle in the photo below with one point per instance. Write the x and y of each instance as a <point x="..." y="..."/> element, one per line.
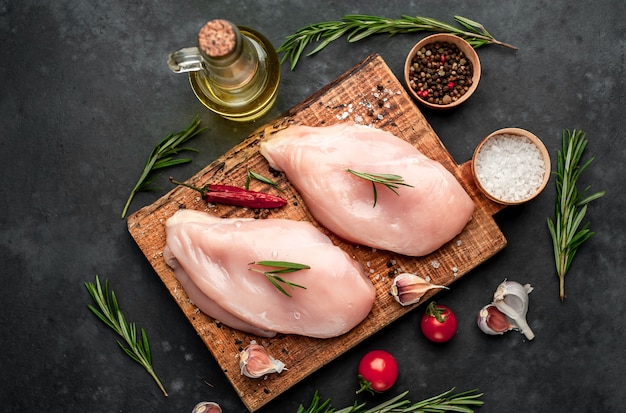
<point x="234" y="70"/>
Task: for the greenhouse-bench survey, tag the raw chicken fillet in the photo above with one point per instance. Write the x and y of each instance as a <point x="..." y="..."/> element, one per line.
<point x="212" y="256"/>
<point x="415" y="222"/>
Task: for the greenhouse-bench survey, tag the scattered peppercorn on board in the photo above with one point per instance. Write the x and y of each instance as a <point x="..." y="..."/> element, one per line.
<point x="368" y="94"/>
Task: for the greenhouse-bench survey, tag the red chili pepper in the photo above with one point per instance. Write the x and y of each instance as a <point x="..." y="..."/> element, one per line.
<point x="233" y="195"/>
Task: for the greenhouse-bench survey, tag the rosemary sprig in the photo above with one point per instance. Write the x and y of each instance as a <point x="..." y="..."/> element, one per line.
<point x="360" y="26"/>
<point x="571" y="205"/>
<point x="163" y="156"/>
<point x="109" y="312"/>
<point x="281" y="267"/>
<point x="391" y="181"/>
<point x="445" y="402"/>
<point x="250" y="175"/>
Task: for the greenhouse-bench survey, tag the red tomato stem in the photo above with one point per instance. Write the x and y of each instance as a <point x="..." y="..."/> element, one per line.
<point x="436" y="311"/>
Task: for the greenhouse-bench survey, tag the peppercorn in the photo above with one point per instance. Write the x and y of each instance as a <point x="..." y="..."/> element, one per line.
<point x="440" y="73"/>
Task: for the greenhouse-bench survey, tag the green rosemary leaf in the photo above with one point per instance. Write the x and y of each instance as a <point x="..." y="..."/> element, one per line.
<point x="275" y="283"/>
<point x="289" y="283"/>
<point x="162" y="155"/>
<point x="282" y="271"/>
<point x="378" y="178"/>
<point x="376" y="192"/>
<point x="125" y="328"/>
<point x="129" y="352"/>
<point x="148" y="184"/>
<point x="109" y="312"/>
<point x="476" y="43"/>
<point x="100" y="315"/>
<point x="250" y="175"/>
<point x="590" y="198"/>
<point x="283" y="264"/>
<point x="472" y="25"/>
<point x="145" y="345"/>
<point x="567" y="229"/>
<point x="281" y="267"/>
<point x="165" y="163"/>
<point x="439" y="25"/>
<point x="391" y="181"/>
<point x="396" y="403"/>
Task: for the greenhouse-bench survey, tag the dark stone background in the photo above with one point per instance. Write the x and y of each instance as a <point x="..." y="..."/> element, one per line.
<point x="86" y="94"/>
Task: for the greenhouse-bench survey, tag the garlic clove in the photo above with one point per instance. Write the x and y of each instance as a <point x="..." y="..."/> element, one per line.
<point x="492" y="321"/>
<point x="255" y="362"/>
<point x="511" y="298"/>
<point x="207" y="407"/>
<point x="409" y="288"/>
<point x="516" y="293"/>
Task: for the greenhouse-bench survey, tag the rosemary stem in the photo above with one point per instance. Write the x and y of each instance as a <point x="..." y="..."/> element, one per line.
<point x="561" y="270"/>
<point x="150" y="371"/>
<point x="570" y="205"/>
<point x="163" y="155"/>
<point x="108" y="311"/>
<point x="358" y="27"/>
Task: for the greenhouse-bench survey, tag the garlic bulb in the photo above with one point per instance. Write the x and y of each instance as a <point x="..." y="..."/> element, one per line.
<point x="409" y="288"/>
<point x="492" y="321"/>
<point x="255" y="362"/>
<point x="507" y="311"/>
<point x="207" y="407"/>
<point x="511" y="298"/>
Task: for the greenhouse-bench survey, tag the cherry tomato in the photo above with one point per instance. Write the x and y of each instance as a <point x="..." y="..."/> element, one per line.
<point x="378" y="371"/>
<point x="439" y="324"/>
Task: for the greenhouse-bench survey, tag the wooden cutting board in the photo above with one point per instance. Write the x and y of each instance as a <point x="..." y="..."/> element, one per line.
<point x="368" y="94"/>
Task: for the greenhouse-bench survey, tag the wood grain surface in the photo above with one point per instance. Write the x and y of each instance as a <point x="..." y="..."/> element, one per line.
<point x="368" y="94"/>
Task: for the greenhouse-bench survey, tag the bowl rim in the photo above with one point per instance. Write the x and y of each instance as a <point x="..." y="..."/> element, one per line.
<point x="525" y="134"/>
<point x="465" y="47"/>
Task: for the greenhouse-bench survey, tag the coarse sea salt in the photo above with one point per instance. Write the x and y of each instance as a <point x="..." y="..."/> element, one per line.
<point x="510" y="167"/>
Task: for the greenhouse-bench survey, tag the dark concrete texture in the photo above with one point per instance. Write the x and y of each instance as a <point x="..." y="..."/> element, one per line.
<point x="86" y="94"/>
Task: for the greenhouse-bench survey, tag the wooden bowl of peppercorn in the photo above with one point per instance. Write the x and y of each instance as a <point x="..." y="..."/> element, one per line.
<point x="442" y="71"/>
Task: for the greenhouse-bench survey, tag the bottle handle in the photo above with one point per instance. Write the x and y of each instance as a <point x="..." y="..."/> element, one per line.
<point x="185" y="60"/>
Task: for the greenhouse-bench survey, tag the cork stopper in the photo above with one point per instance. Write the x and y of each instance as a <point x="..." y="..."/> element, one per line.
<point x="217" y="38"/>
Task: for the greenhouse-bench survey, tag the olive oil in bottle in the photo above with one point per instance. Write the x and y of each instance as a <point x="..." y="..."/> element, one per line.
<point x="234" y="70"/>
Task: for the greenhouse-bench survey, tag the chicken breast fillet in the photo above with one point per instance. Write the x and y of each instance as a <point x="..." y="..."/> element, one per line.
<point x="215" y="255"/>
<point x="415" y="222"/>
